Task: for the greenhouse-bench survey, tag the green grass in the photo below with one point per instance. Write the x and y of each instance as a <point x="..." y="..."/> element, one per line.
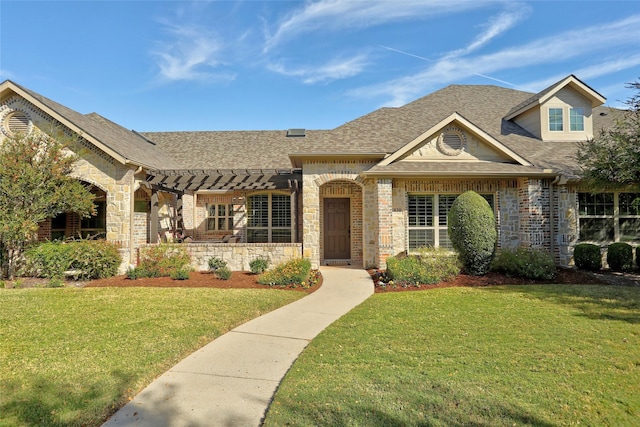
<point x="71" y="357"/>
<point x="548" y="355"/>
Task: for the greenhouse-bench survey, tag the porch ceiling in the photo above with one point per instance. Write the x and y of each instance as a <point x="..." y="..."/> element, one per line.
<point x="225" y="179"/>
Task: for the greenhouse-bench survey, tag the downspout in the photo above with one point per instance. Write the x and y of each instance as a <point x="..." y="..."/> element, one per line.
<point x="132" y="215"/>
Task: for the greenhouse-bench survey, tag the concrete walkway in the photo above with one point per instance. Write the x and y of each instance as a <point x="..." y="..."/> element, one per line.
<point x="231" y="381"/>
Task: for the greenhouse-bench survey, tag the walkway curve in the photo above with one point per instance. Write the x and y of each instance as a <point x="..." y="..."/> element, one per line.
<point x="231" y="381"/>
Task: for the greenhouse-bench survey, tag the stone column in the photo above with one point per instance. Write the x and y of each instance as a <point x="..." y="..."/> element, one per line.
<point x="311" y="222"/>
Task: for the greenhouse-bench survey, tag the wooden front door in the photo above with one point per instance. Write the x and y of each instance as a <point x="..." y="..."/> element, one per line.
<point x="337" y="229"/>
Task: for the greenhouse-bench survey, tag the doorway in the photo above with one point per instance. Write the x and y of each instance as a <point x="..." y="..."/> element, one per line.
<point x="337" y="229"/>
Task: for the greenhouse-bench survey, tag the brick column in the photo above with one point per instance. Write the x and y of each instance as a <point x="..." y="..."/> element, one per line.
<point x="385" y="221"/>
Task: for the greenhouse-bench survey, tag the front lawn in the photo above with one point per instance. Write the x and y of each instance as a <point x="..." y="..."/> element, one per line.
<point x="544" y="355"/>
<point x="72" y="356"/>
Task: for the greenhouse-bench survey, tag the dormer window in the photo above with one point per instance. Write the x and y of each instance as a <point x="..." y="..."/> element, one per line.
<point x="576" y="119"/>
<point x="555" y="120"/>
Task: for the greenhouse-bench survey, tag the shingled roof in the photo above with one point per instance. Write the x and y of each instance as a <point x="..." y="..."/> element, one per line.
<point x="385" y="130"/>
<point x="124" y="145"/>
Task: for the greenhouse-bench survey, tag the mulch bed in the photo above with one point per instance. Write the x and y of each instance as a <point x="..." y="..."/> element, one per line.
<point x="564" y="276"/>
<point x="247" y="280"/>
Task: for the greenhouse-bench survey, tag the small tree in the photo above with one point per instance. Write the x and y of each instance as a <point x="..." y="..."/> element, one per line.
<point x="35" y="184"/>
<point x="472" y="230"/>
<point x="612" y="159"/>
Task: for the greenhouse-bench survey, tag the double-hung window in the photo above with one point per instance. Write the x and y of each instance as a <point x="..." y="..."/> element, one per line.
<point x="555" y="120"/>
<point x="609" y="217"/>
<point x="576" y="119"/>
<point x="428" y="224"/>
<point x="269" y="218"/>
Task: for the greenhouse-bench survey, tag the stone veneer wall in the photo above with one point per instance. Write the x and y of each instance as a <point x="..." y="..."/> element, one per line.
<point x="566" y="223"/>
<point x="239" y="255"/>
<point x="534" y="213"/>
<point x="94" y="167"/>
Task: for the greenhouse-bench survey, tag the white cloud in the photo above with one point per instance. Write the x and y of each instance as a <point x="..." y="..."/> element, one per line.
<point x="193" y="53"/>
<point x="334" y="70"/>
<point x="6" y="74"/>
<point x="604" y="66"/>
<point x="589" y="42"/>
<point x="494" y="28"/>
<point x="340" y="14"/>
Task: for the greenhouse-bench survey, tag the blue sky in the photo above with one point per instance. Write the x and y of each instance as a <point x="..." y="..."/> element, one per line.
<point x="244" y="65"/>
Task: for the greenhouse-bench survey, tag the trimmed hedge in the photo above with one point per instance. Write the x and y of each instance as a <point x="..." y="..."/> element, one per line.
<point x="92" y="259"/>
<point x="472" y="230"/>
<point x="526" y="263"/>
<point x="620" y="256"/>
<point x="428" y="266"/>
<point x="587" y="256"/>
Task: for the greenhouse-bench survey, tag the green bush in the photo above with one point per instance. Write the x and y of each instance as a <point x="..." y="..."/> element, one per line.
<point x="93" y="259"/>
<point x="216" y="263"/>
<point x="223" y="273"/>
<point x="638" y="256"/>
<point x="526" y="263"/>
<point x="472" y="230"/>
<point x="587" y="256"/>
<point x="291" y="273"/>
<point x="180" y="274"/>
<point x="620" y="256"/>
<point x="161" y="260"/>
<point x="259" y="265"/>
<point x="428" y="266"/>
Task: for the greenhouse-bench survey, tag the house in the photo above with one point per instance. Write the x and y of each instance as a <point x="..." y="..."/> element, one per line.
<point x="362" y="192"/>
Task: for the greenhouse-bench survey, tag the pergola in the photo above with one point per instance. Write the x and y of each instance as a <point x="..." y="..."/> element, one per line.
<point x="193" y="180"/>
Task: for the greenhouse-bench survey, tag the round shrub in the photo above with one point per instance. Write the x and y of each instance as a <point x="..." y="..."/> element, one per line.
<point x="259" y="265"/>
<point x="620" y="256"/>
<point x="587" y="256"/>
<point x="472" y="230"/>
<point x="223" y="273"/>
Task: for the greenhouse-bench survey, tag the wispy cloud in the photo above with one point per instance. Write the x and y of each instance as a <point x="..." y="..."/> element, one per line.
<point x="333" y="70"/>
<point x="606" y="65"/>
<point x="494" y="28"/>
<point x="5" y="74"/>
<point x="560" y="48"/>
<point x="192" y="53"/>
<point x="340" y="14"/>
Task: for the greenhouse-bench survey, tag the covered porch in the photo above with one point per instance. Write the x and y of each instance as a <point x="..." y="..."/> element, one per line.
<point x="236" y="215"/>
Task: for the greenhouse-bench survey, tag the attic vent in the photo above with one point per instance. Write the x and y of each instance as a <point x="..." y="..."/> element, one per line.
<point x="296" y="132"/>
<point x="452" y="141"/>
<point x="16" y="122"/>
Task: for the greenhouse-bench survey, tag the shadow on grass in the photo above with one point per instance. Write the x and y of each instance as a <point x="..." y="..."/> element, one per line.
<point x="46" y="402"/>
<point x="598" y="302"/>
<point x="443" y="407"/>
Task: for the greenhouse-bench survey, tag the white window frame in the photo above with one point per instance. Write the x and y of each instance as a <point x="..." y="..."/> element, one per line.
<point x="273" y="223"/>
<point x="556" y="115"/>
<point x="577" y="112"/>
<point x="615" y="216"/>
<point x="438" y="227"/>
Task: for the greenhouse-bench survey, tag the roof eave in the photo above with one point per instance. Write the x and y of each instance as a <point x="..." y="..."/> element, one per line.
<point x="298" y="158"/>
<point x="458" y="174"/>
<point x="68" y="123"/>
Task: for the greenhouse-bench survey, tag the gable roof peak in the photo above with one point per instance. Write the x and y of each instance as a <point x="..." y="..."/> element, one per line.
<point x="542" y="96"/>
